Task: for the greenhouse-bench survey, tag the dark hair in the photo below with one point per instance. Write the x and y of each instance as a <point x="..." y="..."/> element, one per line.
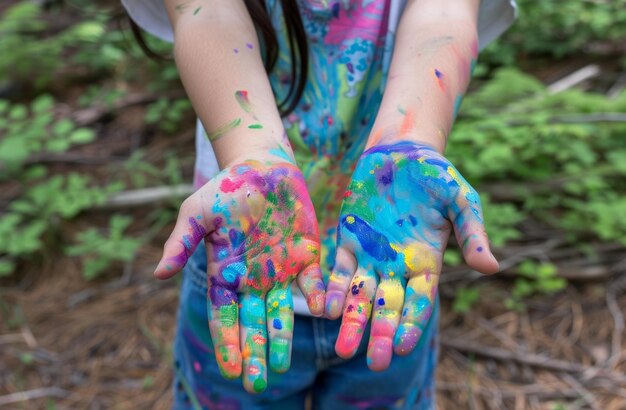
<point x="263" y="23"/>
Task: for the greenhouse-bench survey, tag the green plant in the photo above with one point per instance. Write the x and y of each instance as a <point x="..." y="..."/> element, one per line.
<point x="558" y="29"/>
<point x="553" y="158"/>
<point x="99" y="251"/>
<point x="168" y="114"/>
<point x="535" y="278"/>
<point x="464" y="299"/>
<point x="27" y="59"/>
<point x="33" y="130"/>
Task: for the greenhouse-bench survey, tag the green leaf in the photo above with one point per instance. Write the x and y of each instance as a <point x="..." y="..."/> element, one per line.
<point x="6" y="267"/>
<point x="63" y="127"/>
<point x="82" y="136"/>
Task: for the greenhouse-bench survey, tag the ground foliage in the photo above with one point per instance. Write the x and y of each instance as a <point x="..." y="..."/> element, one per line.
<point x="84" y="114"/>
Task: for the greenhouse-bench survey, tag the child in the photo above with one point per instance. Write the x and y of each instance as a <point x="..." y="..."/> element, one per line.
<point x="349" y="181"/>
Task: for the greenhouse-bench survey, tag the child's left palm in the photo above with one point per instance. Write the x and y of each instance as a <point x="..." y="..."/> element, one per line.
<point x="393" y="228"/>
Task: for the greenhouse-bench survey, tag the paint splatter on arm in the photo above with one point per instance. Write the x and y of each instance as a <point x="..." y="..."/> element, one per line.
<point x="434" y="53"/>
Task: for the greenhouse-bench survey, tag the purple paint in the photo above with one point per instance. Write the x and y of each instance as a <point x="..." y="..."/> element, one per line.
<point x="220" y="296"/>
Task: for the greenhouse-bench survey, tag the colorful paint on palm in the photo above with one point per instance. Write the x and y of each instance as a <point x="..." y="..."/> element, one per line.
<point x="393" y="229"/>
<point x="260" y="230"/>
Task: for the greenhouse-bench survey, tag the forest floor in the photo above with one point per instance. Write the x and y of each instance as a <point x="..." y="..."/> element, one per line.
<point x="107" y="344"/>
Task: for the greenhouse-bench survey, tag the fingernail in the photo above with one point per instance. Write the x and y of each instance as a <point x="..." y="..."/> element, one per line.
<point x="229" y="361"/>
<point x="316" y="303"/>
<point x="348" y="341"/>
<point x="280" y="355"/>
<point x="379" y="354"/>
<point x="334" y="304"/>
<point x="256" y="375"/>
<point x="406" y="339"/>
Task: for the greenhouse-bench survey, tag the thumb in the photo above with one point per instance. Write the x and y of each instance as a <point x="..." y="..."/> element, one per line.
<point x="312" y="286"/>
<point x="190" y="229"/>
<point x="467" y="219"/>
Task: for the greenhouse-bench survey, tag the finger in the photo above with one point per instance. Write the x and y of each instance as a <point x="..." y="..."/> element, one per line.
<point x="419" y="298"/>
<point x="253" y="342"/>
<point x="467" y="219"/>
<point x="279" y="307"/>
<point x="224" y="327"/>
<point x="339" y="282"/>
<point x="311" y="284"/>
<point x="189" y="230"/>
<point x="388" y="304"/>
<point x="356" y="313"/>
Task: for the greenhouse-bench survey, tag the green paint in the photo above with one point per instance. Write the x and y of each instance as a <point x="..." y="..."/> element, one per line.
<point x="259" y="385"/>
<point x="457" y="105"/>
<point x="228" y="315"/>
<point x="181" y="7"/>
<point x="255" y="126"/>
<point x="280" y="355"/>
<point x="401" y="110"/>
<point x="219" y="133"/>
<point x="196" y="11"/>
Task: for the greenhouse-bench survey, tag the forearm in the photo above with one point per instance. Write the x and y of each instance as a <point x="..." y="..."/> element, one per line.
<point x="219" y="60"/>
<point x="430" y="71"/>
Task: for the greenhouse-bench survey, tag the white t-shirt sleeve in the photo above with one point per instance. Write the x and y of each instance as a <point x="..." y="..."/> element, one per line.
<point x="494" y="18"/>
<point x="151" y="16"/>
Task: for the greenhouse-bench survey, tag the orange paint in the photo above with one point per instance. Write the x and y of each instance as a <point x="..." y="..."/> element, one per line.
<point x="374" y="138"/>
<point x="408" y="124"/>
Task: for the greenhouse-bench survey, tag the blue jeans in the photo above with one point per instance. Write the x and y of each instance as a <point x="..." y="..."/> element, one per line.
<point x="316" y="370"/>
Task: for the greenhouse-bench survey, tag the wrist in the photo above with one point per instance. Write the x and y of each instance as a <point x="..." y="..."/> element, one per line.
<point x="427" y="135"/>
<point x="263" y="154"/>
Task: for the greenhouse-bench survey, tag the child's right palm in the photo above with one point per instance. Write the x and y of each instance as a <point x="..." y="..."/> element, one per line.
<point x="260" y="230"/>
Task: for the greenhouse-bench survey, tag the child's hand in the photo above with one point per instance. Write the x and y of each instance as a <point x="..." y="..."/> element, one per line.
<point x="394" y="226"/>
<point x="260" y="231"/>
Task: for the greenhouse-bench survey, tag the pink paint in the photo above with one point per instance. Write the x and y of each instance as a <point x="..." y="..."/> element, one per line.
<point x="228" y="185"/>
<point x="363" y="22"/>
<point x="197" y="367"/>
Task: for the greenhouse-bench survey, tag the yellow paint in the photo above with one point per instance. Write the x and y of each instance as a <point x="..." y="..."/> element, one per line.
<point x="455" y="176"/>
<point x="419" y="259"/>
<point x="350" y="219"/>
<point x="311" y="248"/>
<point x="393" y="293"/>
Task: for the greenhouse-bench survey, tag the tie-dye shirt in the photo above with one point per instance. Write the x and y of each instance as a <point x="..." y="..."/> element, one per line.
<point x="350" y="44"/>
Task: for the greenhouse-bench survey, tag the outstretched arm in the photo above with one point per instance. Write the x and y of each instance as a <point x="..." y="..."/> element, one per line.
<point x="255" y="217"/>
<point x="219" y="60"/>
<point x="405" y="197"/>
<point x="435" y="52"/>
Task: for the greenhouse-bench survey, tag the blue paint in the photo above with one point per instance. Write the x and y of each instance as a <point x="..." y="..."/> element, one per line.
<point x="373" y="243"/>
<point x="236" y="238"/>
<point x="233" y="271"/>
<point x="271" y="271"/>
<point x="381" y="302"/>
<point x="457" y="104"/>
<point x="277" y="324"/>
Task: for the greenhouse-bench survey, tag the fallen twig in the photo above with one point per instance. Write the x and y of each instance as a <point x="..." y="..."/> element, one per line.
<point x="140" y="197"/>
<point x="530" y="359"/>
<point x="32" y="395"/>
<point x="574" y="78"/>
